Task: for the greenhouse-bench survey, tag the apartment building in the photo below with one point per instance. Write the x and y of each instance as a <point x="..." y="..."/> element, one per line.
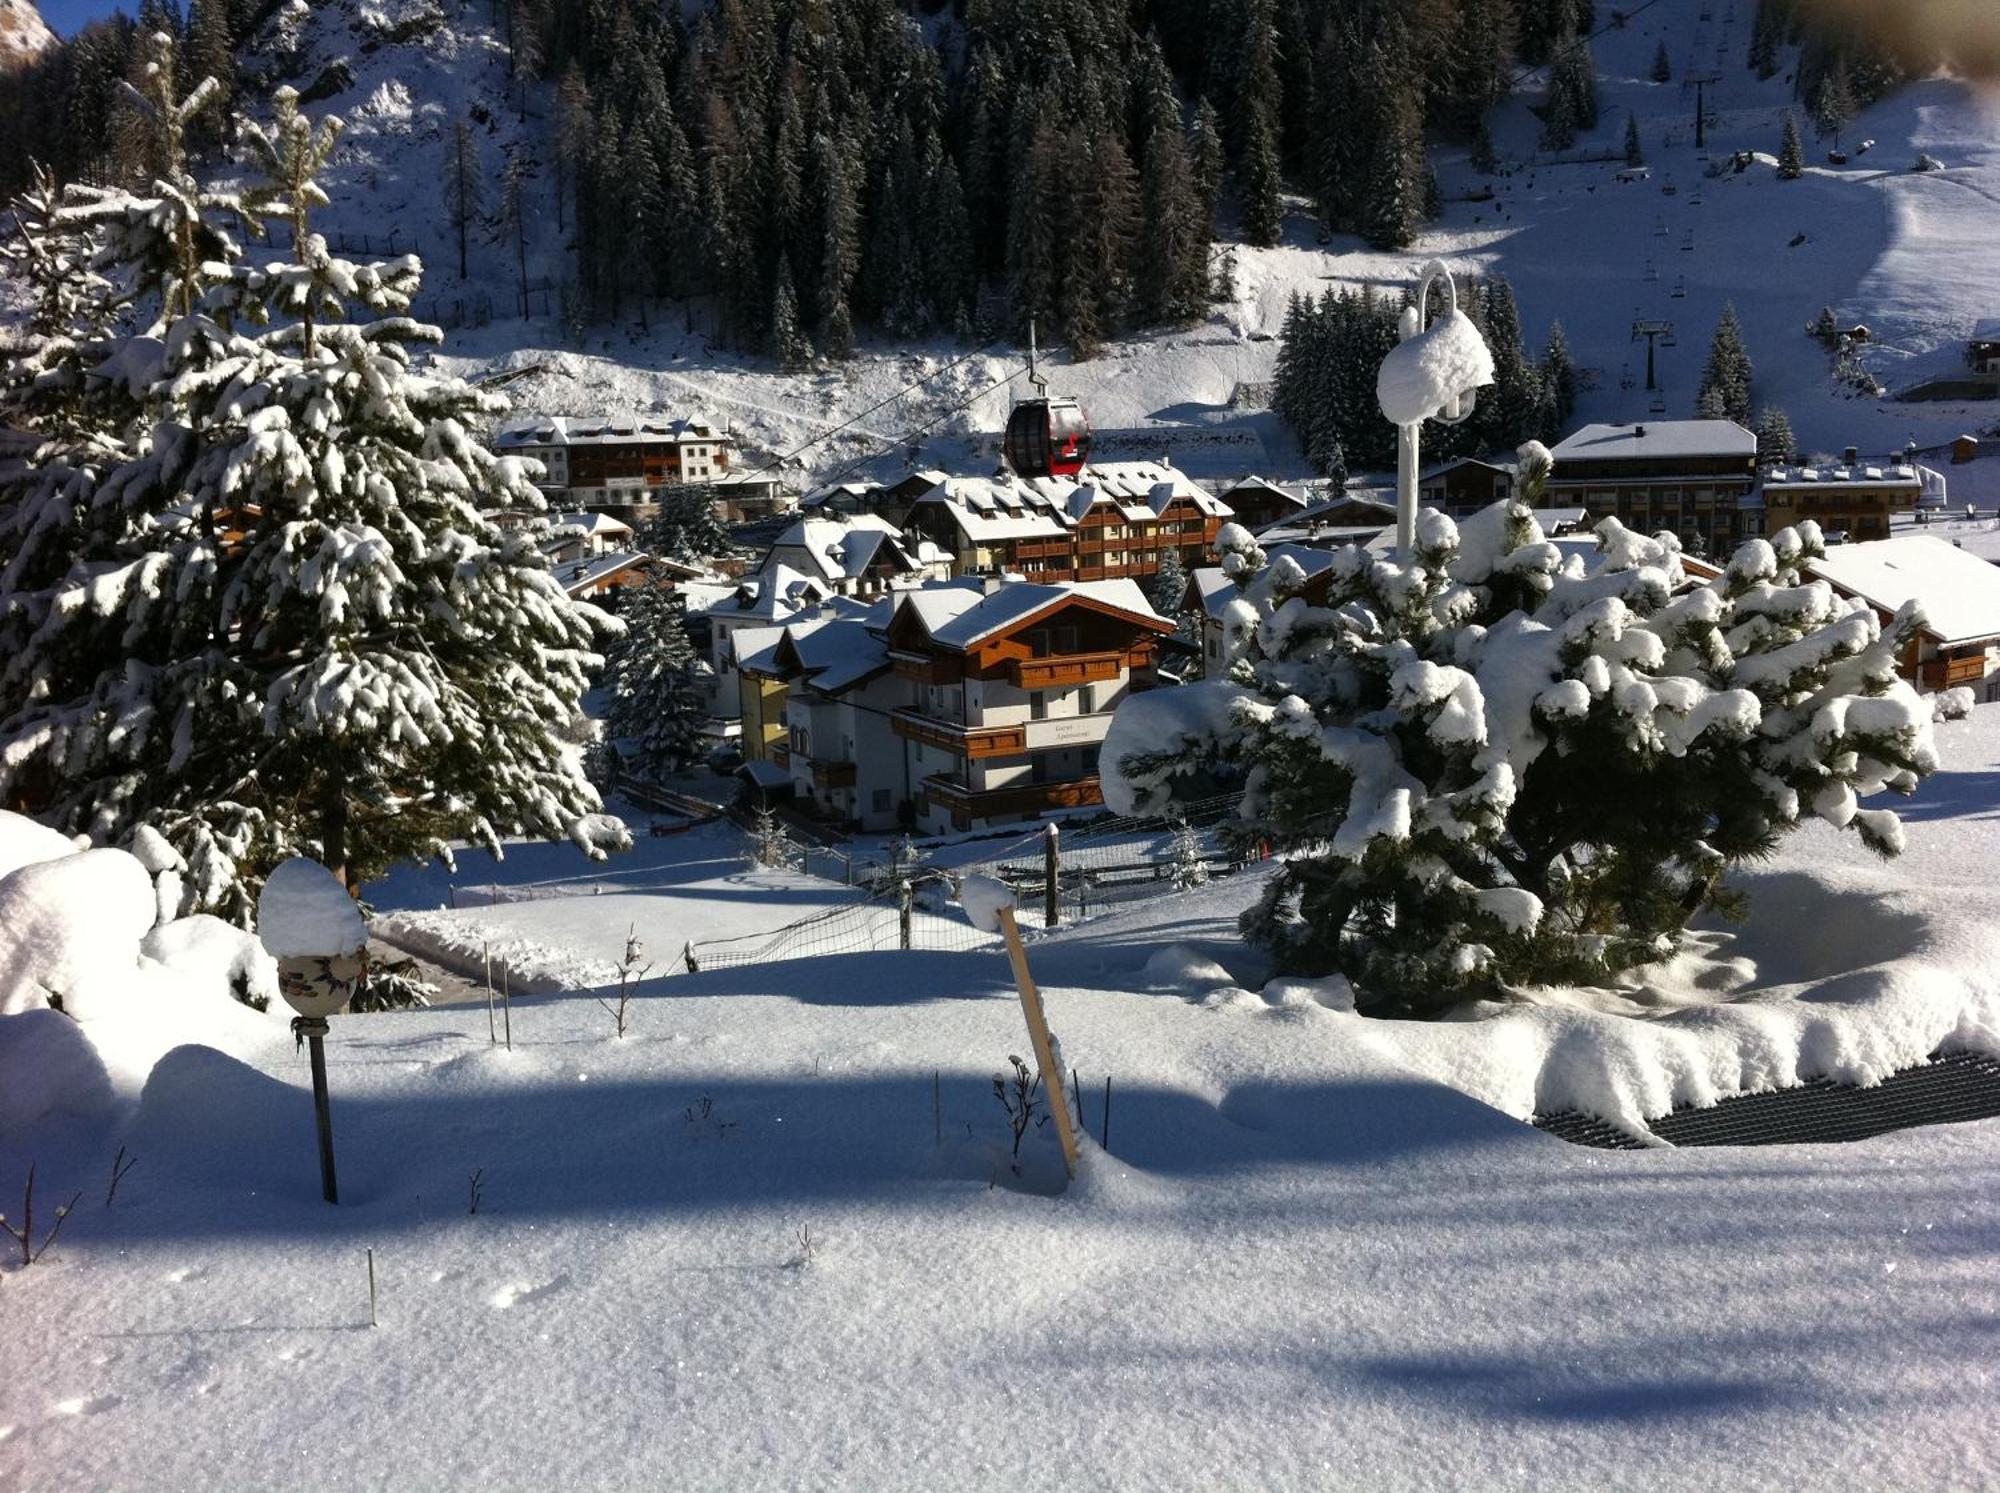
<point x="1848" y="497"/>
<point x="1112" y="521"/>
<point x="1695" y="477"/>
<point x="619" y="464"/>
<point x="952" y="706"/>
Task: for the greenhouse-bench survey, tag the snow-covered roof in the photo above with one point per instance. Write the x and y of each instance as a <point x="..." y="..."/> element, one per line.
<point x="839" y="652"/>
<point x="773" y="594"/>
<point x="1004" y="507"/>
<point x="1655" y="440"/>
<point x="995" y="612"/>
<point x="578" y="576"/>
<point x="840" y="550"/>
<point x="1216" y="590"/>
<point x="1255" y="484"/>
<point x="765" y="773"/>
<point x="562" y="430"/>
<point x="592" y="523"/>
<point x="1959" y="592"/>
<point x="1894" y="475"/>
<point x="1438" y="469"/>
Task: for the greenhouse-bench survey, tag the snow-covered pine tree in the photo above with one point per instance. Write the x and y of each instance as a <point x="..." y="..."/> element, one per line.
<point x="770" y="847"/>
<point x="1725" y="380"/>
<point x="1663" y="67"/>
<point x="1776" y="444"/>
<point x="687" y="527"/>
<point x="652" y="685"/>
<point x="1558" y="380"/>
<point x="1167" y="591"/>
<point x="1635" y="150"/>
<point x="1825" y="327"/>
<point x="1507" y="413"/>
<point x="1488" y="768"/>
<point x="788" y="343"/>
<point x="312" y="636"/>
<point x="1190" y="870"/>
<point x="1791" y="151"/>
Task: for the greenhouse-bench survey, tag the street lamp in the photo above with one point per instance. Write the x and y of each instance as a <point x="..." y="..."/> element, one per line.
<point x="310" y="925"/>
<point x="1434" y="373"/>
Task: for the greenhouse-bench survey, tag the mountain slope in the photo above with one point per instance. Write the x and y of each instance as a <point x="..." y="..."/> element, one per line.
<point x="23" y="33"/>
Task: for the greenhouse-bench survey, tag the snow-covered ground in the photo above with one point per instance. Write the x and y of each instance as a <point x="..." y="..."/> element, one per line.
<point x="1309" y="1257"/>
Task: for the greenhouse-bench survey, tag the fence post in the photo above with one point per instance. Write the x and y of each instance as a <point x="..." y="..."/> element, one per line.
<point x="1051" y="875"/>
<point x="687" y="957"/>
<point x="908" y="900"/>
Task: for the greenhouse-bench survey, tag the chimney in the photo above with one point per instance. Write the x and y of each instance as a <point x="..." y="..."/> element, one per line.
<point x="1851" y="456"/>
<point x="1638" y="432"/>
<point x="989" y="584"/>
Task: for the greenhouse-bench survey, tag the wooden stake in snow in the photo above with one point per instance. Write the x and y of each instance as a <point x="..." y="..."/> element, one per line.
<point x="371" y="1288"/>
<point x="990" y="905"/>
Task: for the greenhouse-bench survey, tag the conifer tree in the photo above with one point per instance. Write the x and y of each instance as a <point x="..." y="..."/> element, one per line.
<point x="687" y="527"/>
<point x="1168" y="589"/>
<point x="788" y="344"/>
<point x="309" y="631"/>
<point x="1558" y="379"/>
<point x="1485" y="772"/>
<point x="1776" y="444"/>
<point x="464" y="185"/>
<point x="1663" y="67"/>
<point x="1507" y="413"/>
<point x="1792" y="151"/>
<point x="1206" y="158"/>
<point x="1635" y="151"/>
<point x="652" y="685"/>
<point x="1485" y="159"/>
<point x="1728" y="372"/>
<point x="574" y="115"/>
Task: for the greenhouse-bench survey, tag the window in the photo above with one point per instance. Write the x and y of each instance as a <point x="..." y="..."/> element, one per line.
<point x="1038" y="705"/>
<point x="1065" y="640"/>
<point x="881" y="801"/>
<point x="1087" y="705"/>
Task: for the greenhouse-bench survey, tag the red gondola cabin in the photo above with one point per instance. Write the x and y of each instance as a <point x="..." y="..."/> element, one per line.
<point x="1047" y="438"/>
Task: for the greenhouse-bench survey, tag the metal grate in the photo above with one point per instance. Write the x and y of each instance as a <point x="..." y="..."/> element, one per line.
<point x="1948" y="1088"/>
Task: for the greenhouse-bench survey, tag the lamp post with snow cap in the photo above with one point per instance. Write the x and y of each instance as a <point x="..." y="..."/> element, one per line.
<point x="310" y="925"/>
<point x="1434" y="373"/>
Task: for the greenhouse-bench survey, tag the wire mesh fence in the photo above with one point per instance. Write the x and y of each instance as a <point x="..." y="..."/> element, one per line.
<point x="1057" y="878"/>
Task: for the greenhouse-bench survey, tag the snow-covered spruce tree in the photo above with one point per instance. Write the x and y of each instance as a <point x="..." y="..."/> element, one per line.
<point x="652" y="685"/>
<point x="1791" y="150"/>
<point x="1725" y="380"/>
<point x="1189" y="869"/>
<point x="687" y="527"/>
<point x="1167" y="591"/>
<point x="1775" y="441"/>
<point x="1489" y="769"/>
<point x="312" y="635"/>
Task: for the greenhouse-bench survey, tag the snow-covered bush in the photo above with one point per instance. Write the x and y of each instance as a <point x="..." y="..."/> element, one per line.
<point x="1953" y="704"/>
<point x="1490" y="767"/>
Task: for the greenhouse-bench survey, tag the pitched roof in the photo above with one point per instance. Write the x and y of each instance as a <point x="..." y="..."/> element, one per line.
<point x="1655" y="440"/>
<point x="1959" y="592"/>
<point x="1017" y="601"/>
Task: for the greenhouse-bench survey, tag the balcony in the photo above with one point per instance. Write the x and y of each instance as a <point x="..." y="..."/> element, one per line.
<point x="951" y="736"/>
<point x="827" y="774"/>
<point x="1013" y="801"/>
<point x="1065" y="670"/>
<point x="1950" y="670"/>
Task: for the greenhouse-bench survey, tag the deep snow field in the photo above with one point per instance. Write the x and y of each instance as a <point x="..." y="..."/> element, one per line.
<point x="1310" y="1257"/>
<point x="1912" y="256"/>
